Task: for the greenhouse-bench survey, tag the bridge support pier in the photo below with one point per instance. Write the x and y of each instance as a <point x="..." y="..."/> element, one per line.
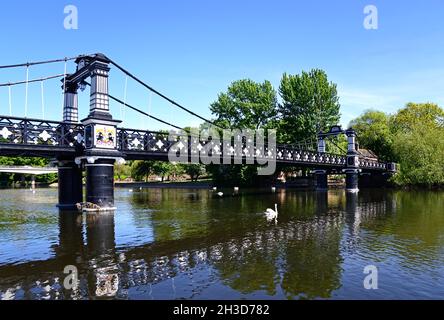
<point x="352" y="180"/>
<point x="70" y="184"/>
<point x="321" y="180"/>
<point x="100" y="183"/>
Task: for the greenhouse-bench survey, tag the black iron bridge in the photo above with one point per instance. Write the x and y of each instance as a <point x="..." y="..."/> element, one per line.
<point x="94" y="144"/>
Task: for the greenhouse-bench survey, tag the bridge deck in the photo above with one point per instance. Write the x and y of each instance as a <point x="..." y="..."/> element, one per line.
<point x="42" y="138"/>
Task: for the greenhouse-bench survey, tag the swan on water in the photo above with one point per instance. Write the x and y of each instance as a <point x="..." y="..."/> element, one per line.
<point x="220" y="194"/>
<point x="271" y="214"/>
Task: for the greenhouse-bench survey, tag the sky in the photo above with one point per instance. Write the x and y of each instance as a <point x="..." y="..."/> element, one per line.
<point x="192" y="50"/>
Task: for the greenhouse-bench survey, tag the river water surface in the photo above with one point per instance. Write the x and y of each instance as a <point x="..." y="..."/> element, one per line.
<point x="193" y="244"/>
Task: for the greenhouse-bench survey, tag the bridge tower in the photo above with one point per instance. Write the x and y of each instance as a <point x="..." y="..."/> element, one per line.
<point x="100" y="138"/>
<point x="352" y="166"/>
<point x="70" y="187"/>
<point x="321" y="174"/>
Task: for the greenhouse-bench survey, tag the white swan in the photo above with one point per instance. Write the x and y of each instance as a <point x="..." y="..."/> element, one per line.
<point x="271" y="214"/>
<point x="220" y="194"/>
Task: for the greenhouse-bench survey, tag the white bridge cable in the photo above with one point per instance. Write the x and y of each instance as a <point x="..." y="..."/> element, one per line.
<point x="10" y="84"/>
<point x="43" y="99"/>
<point x="10" y="101"/>
<point x="64" y="85"/>
<point x="125" y="91"/>
<point x="28" y="64"/>
<point x="26" y="91"/>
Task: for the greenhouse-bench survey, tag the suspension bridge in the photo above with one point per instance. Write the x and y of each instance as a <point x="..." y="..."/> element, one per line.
<point x="96" y="143"/>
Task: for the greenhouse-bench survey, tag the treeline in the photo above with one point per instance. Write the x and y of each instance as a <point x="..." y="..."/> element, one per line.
<point x="144" y="170"/>
<point x="413" y="137"/>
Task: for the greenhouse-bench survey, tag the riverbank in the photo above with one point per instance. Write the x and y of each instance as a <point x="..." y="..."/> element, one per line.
<point x="206" y="184"/>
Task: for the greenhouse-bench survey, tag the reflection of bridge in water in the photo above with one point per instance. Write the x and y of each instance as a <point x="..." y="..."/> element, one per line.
<point x="300" y="257"/>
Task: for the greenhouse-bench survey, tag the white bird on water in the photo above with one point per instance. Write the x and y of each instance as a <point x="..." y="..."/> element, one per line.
<point x="220" y="194"/>
<point x="271" y="214"/>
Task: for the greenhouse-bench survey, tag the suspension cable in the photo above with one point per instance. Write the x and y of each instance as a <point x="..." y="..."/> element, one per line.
<point x="143" y="112"/>
<point x="10" y="101"/>
<point x="9" y="84"/>
<point x="122" y="109"/>
<point x="64" y="85"/>
<point x="28" y="64"/>
<point x="43" y="99"/>
<point x="160" y="94"/>
<point x="140" y="111"/>
<point x="26" y="91"/>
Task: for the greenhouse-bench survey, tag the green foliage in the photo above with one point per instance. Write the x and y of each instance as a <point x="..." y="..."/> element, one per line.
<point x="122" y="171"/>
<point x="310" y="103"/>
<point x="418" y="131"/>
<point x="194" y="170"/>
<point x="246" y="105"/>
<point x="416" y="115"/>
<point x="412" y="137"/>
<point x="141" y="170"/>
<point x="375" y="133"/>
<point x="421" y="154"/>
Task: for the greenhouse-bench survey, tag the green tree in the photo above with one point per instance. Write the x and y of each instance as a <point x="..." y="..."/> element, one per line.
<point x="374" y="132"/>
<point x="412" y="137"/>
<point x="310" y="103"/>
<point x="194" y="170"/>
<point x="418" y="131"/>
<point x="246" y="105"/>
<point x="161" y="169"/>
<point x="141" y="170"/>
<point x="416" y="115"/>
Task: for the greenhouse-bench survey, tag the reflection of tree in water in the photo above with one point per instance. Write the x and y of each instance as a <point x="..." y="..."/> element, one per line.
<point x="312" y="267"/>
<point x="302" y="256"/>
<point x="413" y="218"/>
<point x="228" y="241"/>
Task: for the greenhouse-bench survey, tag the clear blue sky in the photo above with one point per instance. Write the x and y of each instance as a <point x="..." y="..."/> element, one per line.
<point x="191" y="50"/>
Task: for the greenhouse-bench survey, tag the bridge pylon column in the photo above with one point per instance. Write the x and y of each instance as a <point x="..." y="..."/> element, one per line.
<point x="352" y="165"/>
<point x="321" y="175"/>
<point x="101" y="151"/>
<point x="321" y="180"/>
<point x="69" y="184"/>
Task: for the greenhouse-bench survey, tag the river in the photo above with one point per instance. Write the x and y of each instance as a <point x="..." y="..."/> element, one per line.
<point x="193" y="244"/>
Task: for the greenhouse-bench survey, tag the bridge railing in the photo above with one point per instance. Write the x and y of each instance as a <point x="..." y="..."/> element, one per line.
<point x="23" y="131"/>
<point x="26" y="131"/>
<point x="158" y="142"/>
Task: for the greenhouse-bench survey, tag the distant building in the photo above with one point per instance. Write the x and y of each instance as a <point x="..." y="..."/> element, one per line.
<point x="368" y="154"/>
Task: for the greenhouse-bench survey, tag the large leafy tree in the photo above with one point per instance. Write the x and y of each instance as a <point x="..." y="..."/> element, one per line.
<point x="374" y="133"/>
<point x="416" y="115"/>
<point x="246" y="105"/>
<point x="412" y="137"/>
<point x="418" y="131"/>
<point x="310" y="103"/>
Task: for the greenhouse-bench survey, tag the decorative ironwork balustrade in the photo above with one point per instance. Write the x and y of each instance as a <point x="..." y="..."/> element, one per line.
<point x="141" y="144"/>
<point x="19" y="131"/>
